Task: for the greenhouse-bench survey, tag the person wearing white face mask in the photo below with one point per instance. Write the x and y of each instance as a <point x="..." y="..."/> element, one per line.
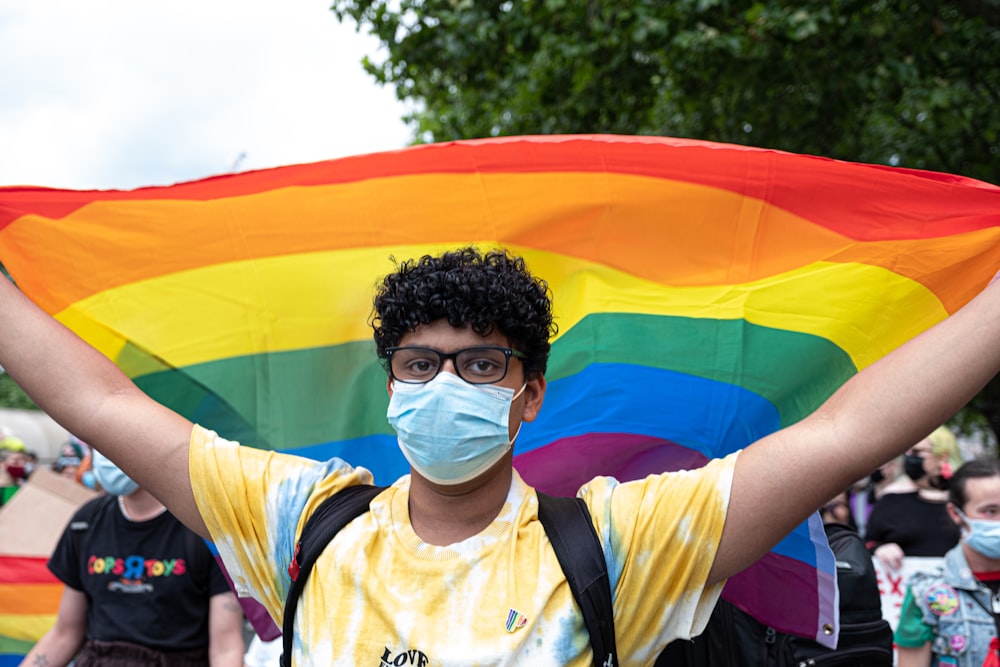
<point x="950" y="617"/>
<point x="140" y="588"/>
<point x="451" y="565"/>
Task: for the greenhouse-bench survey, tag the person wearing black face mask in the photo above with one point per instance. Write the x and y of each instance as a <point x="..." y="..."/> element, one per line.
<point x="915" y="467"/>
<point x="916" y="523"/>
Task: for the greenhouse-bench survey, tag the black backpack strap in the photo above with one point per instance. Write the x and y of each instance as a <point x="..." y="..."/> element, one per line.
<point x="329" y="518"/>
<point x="581" y="556"/>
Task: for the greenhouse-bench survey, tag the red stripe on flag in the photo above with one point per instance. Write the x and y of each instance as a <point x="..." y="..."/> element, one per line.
<point x="25" y="570"/>
<point x="790" y="181"/>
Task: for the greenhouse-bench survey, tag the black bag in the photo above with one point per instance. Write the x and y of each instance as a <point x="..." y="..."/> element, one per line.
<point x="566" y="522"/>
<point x="733" y="638"/>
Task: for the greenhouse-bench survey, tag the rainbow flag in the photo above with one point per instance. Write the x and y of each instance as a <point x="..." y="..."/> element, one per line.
<point x="29" y="600"/>
<point x="706" y="295"/>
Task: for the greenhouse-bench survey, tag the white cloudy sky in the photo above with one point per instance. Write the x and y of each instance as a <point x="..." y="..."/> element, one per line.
<point x="125" y="93"/>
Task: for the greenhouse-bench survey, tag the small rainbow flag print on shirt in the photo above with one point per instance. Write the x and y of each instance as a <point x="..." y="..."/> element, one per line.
<point x="515" y="620"/>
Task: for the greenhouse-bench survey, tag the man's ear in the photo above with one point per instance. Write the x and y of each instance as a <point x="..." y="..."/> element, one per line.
<point x="388" y="385"/>
<point x="534" y="395"/>
<point x="953" y="513"/>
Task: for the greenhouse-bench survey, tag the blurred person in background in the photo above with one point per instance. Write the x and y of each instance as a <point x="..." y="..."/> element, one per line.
<point x="950" y="616"/>
<point x="140" y="588"/>
<point x="14" y="468"/>
<point x="917" y="522"/>
<point x="71" y="455"/>
<point x="864" y="493"/>
<point x="838" y="510"/>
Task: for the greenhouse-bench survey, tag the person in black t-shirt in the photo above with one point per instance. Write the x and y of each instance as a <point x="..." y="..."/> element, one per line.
<point x="917" y="523"/>
<point x="141" y="588"/>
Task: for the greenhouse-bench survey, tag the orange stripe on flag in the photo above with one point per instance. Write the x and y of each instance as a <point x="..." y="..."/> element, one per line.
<point x="30" y="598"/>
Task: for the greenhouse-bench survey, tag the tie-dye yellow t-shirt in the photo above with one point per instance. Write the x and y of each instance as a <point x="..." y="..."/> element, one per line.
<point x="380" y="596"/>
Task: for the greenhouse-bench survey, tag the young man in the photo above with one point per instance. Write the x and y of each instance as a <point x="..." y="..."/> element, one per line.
<point x="950" y="617"/>
<point x="451" y="566"/>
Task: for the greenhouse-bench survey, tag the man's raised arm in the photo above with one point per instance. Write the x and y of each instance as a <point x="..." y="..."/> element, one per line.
<point x="880" y="412"/>
<point x="89" y="396"/>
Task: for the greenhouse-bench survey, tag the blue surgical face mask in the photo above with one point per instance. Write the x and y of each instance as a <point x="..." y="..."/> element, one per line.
<point x="451" y="431"/>
<point x="110" y="477"/>
<point x="982" y="535"/>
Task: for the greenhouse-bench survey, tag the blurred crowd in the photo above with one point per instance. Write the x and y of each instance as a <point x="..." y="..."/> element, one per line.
<point x="17" y="463"/>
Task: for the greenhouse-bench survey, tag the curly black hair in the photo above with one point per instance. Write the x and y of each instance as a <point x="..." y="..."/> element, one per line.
<point x="491" y="291"/>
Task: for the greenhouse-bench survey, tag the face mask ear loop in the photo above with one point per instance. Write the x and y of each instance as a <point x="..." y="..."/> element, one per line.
<point x="516" y="433"/>
<point x="519" y="392"/>
<point x="966" y="526"/>
<point x="514" y="398"/>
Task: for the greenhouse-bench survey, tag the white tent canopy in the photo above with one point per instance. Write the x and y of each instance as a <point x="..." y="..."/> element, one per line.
<point x="40" y="433"/>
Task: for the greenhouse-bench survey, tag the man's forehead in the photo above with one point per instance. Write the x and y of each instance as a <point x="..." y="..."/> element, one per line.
<point x="442" y="336"/>
<point x="982" y="490"/>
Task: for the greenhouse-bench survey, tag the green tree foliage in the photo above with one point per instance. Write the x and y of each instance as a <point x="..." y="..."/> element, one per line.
<point x="909" y="83"/>
<point x="12" y="396"/>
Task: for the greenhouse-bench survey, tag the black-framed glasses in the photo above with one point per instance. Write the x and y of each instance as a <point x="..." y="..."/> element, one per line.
<point x="483" y="364"/>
